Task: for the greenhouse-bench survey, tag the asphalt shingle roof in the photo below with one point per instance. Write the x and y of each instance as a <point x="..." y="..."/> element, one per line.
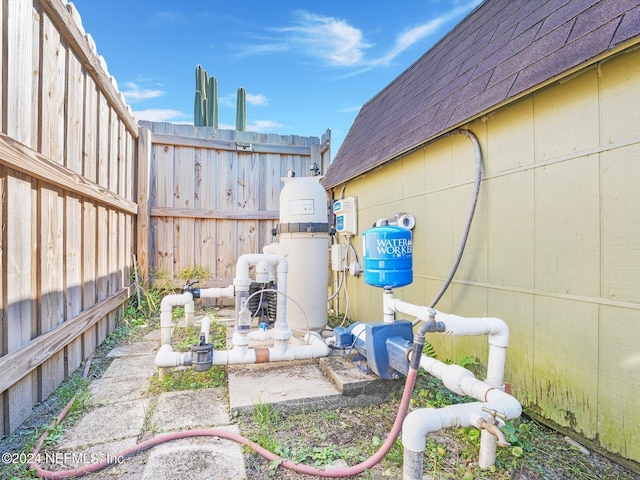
<point x="501" y="50"/>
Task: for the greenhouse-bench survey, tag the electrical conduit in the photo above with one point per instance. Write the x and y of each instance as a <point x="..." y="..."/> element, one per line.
<point x="472" y="208"/>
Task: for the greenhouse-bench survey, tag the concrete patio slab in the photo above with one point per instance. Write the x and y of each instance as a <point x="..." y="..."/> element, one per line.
<point x="105" y="391"/>
<point x="106" y="424"/>
<point x="133" y="349"/>
<point x="286" y="384"/>
<point x="185" y="410"/>
<point x="136" y="366"/>
<point x="195" y="459"/>
<point x="74" y="458"/>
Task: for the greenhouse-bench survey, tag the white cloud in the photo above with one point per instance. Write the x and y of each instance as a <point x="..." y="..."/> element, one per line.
<point x="133" y="92"/>
<point x="355" y="108"/>
<point x="329" y="38"/>
<point x="169" y="18"/>
<point x="413" y="35"/>
<point x="257" y="99"/>
<point x="342" y="45"/>
<point x="162" y="115"/>
<point x="263" y="126"/>
<point x="260" y="126"/>
<point x="228" y="100"/>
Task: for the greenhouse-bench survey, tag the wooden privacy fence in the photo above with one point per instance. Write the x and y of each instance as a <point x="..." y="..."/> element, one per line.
<point x="83" y="188"/>
<point x="67" y="157"/>
<point x="207" y="196"/>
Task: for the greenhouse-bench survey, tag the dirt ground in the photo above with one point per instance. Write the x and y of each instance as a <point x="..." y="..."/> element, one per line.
<point x="449" y="454"/>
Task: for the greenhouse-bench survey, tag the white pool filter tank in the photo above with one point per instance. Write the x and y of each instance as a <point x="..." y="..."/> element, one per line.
<point x="303" y="233"/>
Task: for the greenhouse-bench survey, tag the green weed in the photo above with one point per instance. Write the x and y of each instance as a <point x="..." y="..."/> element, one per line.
<point x="193" y="273"/>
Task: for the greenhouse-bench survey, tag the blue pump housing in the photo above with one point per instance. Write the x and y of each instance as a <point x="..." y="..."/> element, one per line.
<point x="386" y="346"/>
<point x="388" y="256"/>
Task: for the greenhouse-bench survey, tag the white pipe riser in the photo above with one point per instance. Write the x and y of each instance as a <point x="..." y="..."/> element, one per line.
<point x="205" y="328"/>
<point x="189" y="313"/>
<point x="166" y="317"/>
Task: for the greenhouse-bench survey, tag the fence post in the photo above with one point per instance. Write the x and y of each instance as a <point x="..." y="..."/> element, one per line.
<point x="143" y="220"/>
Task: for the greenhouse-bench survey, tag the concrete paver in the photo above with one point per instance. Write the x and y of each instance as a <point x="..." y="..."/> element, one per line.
<point x="107" y="423"/>
<point x="114" y="389"/>
<point x="133" y="349"/>
<point x="196" y="408"/>
<point x="134" y="366"/>
<point x="196" y="458"/>
<point x="286" y="385"/>
<point x="74" y="458"/>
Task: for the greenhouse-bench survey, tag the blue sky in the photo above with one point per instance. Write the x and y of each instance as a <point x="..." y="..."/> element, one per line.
<point x="306" y="65"/>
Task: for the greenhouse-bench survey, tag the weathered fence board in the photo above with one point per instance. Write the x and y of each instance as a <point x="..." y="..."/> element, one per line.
<point x="16" y="364"/>
<point x="53" y="75"/>
<point x="4" y="400"/>
<point x="23" y="159"/>
<point x="67" y="163"/>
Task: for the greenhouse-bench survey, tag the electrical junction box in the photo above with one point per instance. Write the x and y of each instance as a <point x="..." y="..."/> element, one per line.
<point x="338" y="257"/>
<point x="346" y="214"/>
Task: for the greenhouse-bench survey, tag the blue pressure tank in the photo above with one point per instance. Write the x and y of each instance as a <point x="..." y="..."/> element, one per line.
<point x="388" y="259"/>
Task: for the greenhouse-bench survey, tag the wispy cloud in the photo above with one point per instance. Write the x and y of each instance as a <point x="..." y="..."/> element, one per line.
<point x="413" y="35"/>
<point x="350" y="109"/>
<point x="133" y="92"/>
<point x="264" y="126"/>
<point x="257" y="126"/>
<point x="329" y="38"/>
<point x="168" y="18"/>
<point x="255" y="99"/>
<point x="162" y="115"/>
<point x="340" y="44"/>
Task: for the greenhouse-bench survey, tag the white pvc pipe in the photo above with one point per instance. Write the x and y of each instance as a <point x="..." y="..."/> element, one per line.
<point x="391" y="304"/>
<point x="462" y="381"/>
<point x="205" y="327"/>
<point x="455" y="377"/>
<point x="167" y="358"/>
<point x="496" y="329"/>
<point x="217" y="292"/>
<point x="260" y="335"/>
<point x="419" y="423"/>
<point x="388" y="312"/>
<point x="236" y="355"/>
<point x="498" y="335"/>
<point x="316" y="348"/>
<point x="189" y="313"/>
<point x="166" y="317"/>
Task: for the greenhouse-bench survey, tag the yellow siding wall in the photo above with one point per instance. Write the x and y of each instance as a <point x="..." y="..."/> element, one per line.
<point x="554" y="248"/>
